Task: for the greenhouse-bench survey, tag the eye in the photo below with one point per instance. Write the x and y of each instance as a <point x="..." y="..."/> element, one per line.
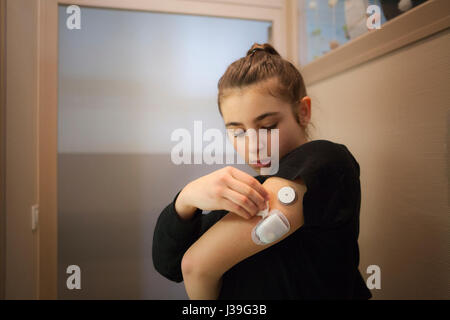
<point x="237" y="132"/>
<point x="271" y="127"/>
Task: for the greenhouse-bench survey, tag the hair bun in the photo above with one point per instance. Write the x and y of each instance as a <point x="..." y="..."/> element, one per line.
<point x="262" y="47"/>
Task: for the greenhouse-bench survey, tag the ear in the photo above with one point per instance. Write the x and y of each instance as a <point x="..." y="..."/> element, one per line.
<point x="304" y="110"/>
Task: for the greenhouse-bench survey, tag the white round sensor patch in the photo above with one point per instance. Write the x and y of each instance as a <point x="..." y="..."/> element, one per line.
<point x="286" y="195"/>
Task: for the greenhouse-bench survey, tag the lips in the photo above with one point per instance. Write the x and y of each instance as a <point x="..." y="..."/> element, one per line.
<point x="264" y="163"/>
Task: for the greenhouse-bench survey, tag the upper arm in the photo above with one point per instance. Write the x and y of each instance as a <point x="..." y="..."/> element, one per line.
<point x="229" y="241"/>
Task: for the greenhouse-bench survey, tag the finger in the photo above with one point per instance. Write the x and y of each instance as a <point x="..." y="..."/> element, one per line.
<point x="250" y="181"/>
<point x="247" y="191"/>
<point x="234" y="208"/>
<point x="242" y="201"/>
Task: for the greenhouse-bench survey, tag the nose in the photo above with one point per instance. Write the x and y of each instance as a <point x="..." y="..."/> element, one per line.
<point x="256" y="144"/>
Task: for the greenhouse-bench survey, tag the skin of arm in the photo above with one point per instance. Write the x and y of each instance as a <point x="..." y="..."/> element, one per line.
<point x="229" y="241"/>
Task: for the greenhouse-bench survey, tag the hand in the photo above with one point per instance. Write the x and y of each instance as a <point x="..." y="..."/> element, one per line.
<point x="225" y="189"/>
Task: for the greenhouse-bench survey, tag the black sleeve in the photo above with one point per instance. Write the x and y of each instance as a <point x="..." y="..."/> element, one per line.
<point x="331" y="175"/>
<point x="174" y="235"/>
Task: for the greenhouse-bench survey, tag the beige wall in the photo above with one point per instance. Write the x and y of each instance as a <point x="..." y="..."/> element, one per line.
<point x="393" y="114"/>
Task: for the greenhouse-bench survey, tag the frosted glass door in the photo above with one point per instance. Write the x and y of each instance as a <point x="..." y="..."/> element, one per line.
<point x="127" y="80"/>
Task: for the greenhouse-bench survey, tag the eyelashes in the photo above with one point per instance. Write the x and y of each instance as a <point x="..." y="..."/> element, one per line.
<point x="240" y="133"/>
<point x="271" y="127"/>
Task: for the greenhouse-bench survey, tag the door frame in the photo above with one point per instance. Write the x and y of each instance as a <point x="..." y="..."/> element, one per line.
<point x="2" y="148"/>
<point x="274" y="11"/>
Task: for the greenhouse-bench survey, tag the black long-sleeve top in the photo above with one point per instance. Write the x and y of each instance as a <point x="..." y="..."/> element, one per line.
<point x="318" y="261"/>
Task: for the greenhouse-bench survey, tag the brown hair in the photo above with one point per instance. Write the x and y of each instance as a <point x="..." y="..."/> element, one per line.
<point x="261" y="63"/>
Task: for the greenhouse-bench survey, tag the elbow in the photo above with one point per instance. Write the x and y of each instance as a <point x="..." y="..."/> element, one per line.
<point x="187" y="265"/>
<point x="194" y="266"/>
<point x="191" y="266"/>
<point x="198" y="281"/>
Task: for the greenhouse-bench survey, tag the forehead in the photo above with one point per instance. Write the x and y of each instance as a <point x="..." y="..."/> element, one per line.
<point x="245" y="104"/>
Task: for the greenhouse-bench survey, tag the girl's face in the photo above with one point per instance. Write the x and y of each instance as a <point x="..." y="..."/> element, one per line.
<point x="250" y="108"/>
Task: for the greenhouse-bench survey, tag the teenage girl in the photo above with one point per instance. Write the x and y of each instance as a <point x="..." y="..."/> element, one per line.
<point x="214" y="253"/>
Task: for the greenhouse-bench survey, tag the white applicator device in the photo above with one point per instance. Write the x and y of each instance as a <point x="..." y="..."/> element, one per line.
<point x="273" y="224"/>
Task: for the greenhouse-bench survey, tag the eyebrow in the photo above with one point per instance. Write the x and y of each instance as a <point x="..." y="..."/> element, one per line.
<point x="258" y="118"/>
